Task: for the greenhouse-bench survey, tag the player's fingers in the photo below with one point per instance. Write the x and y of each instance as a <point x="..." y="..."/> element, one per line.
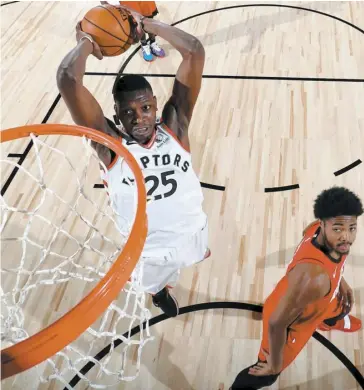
<point x="340" y="296"/>
<point x="351" y="297"/>
<point x="259" y="367"/>
<point x="348" y="302"/>
<point x="139" y="32"/>
<point x="345" y="307"/>
<point x="99" y="55"/>
<point x="255" y="368"/>
<point x="258" y="372"/>
<point x="348" y="306"/>
<point x="97" y="51"/>
<point x="343" y="299"/>
<point x="339" y="300"/>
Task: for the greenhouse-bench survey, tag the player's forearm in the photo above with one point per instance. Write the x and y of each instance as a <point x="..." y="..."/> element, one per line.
<point x="73" y="66"/>
<point x="344" y="286"/>
<point x="277" y="335"/>
<point x="185" y="43"/>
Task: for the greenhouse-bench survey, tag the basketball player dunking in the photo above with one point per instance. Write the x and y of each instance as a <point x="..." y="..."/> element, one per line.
<point x="177" y="225"/>
<point x="313" y="293"/>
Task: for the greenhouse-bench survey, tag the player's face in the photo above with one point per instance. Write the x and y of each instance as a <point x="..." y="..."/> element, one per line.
<point x="340" y="233"/>
<point x="137" y="112"/>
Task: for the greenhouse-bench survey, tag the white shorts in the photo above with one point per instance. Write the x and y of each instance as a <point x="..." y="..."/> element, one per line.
<point x="159" y="272"/>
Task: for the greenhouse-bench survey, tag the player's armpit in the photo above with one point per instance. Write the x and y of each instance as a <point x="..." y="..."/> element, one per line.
<point x="174" y="111"/>
<point x="85" y="111"/>
<point x="178" y="110"/>
<point x="84" y="108"/>
<point x="307" y="283"/>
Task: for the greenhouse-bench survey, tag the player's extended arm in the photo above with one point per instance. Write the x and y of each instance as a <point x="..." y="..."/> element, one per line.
<point x="178" y="110"/>
<point x="306" y="284"/>
<point x="84" y="108"/>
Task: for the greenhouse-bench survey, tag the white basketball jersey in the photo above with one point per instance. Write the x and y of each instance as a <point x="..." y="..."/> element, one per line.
<point x="175" y="210"/>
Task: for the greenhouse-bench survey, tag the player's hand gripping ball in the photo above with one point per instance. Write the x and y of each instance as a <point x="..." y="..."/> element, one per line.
<point x="113" y="30"/>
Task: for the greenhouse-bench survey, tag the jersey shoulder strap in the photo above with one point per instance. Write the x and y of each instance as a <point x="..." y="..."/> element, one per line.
<point x="162" y="126"/>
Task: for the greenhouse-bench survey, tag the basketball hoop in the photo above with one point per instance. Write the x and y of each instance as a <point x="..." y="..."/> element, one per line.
<point x="30" y="350"/>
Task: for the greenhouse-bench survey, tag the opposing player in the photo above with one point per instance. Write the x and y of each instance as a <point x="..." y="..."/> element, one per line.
<point x="177" y="226"/>
<point x="313" y="293"/>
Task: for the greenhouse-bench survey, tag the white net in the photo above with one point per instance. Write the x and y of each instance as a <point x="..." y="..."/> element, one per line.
<point x="59" y="237"/>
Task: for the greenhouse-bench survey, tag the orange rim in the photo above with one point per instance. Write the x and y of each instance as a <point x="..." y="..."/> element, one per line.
<point x="57" y="336"/>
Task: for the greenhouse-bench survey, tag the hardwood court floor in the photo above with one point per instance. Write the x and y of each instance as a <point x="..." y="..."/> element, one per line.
<point x="246" y="135"/>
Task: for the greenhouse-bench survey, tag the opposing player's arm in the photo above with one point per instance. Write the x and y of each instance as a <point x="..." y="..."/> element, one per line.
<point x="84" y="108"/>
<point x="178" y="110"/>
<point x="116" y="4"/>
<point x="306" y="284"/>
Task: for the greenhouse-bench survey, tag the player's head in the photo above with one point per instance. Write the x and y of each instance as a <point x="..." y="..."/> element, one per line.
<point x="135" y="106"/>
<point x="338" y="209"/>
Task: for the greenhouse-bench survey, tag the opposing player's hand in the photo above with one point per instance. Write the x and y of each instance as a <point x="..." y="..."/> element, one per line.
<point x="96" y="48"/>
<point x="263" y="368"/>
<point x="137" y="20"/>
<point x="345" y="297"/>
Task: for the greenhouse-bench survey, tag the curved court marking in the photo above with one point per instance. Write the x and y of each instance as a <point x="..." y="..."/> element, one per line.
<point x="327" y="343"/>
<point x="348" y="167"/>
<point x="231" y="77"/>
<point x="282" y="188"/>
<point x="353" y="370"/>
<point x="217" y="305"/>
<point x="272" y="189"/>
<point x="53" y="106"/>
<point x="10" y="2"/>
<point x="121" y="71"/>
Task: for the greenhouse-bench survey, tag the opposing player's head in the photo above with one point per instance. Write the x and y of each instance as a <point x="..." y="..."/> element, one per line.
<point x="338" y="210"/>
<point x="135" y="106"/>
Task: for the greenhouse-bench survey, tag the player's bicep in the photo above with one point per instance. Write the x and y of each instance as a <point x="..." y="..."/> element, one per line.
<point x="84" y="108"/>
<point x="303" y="289"/>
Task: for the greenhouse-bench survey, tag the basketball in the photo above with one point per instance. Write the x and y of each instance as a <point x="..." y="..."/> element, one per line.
<point x="110" y="28"/>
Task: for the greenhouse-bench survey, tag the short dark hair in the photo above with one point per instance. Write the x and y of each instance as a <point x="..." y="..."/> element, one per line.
<point x="335" y="202"/>
<point x="130" y="83"/>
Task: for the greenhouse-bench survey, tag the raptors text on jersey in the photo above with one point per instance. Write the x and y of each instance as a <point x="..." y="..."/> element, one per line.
<point x="174" y="194"/>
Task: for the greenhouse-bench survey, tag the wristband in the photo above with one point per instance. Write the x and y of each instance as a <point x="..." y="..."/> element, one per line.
<point x="89" y="38"/>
